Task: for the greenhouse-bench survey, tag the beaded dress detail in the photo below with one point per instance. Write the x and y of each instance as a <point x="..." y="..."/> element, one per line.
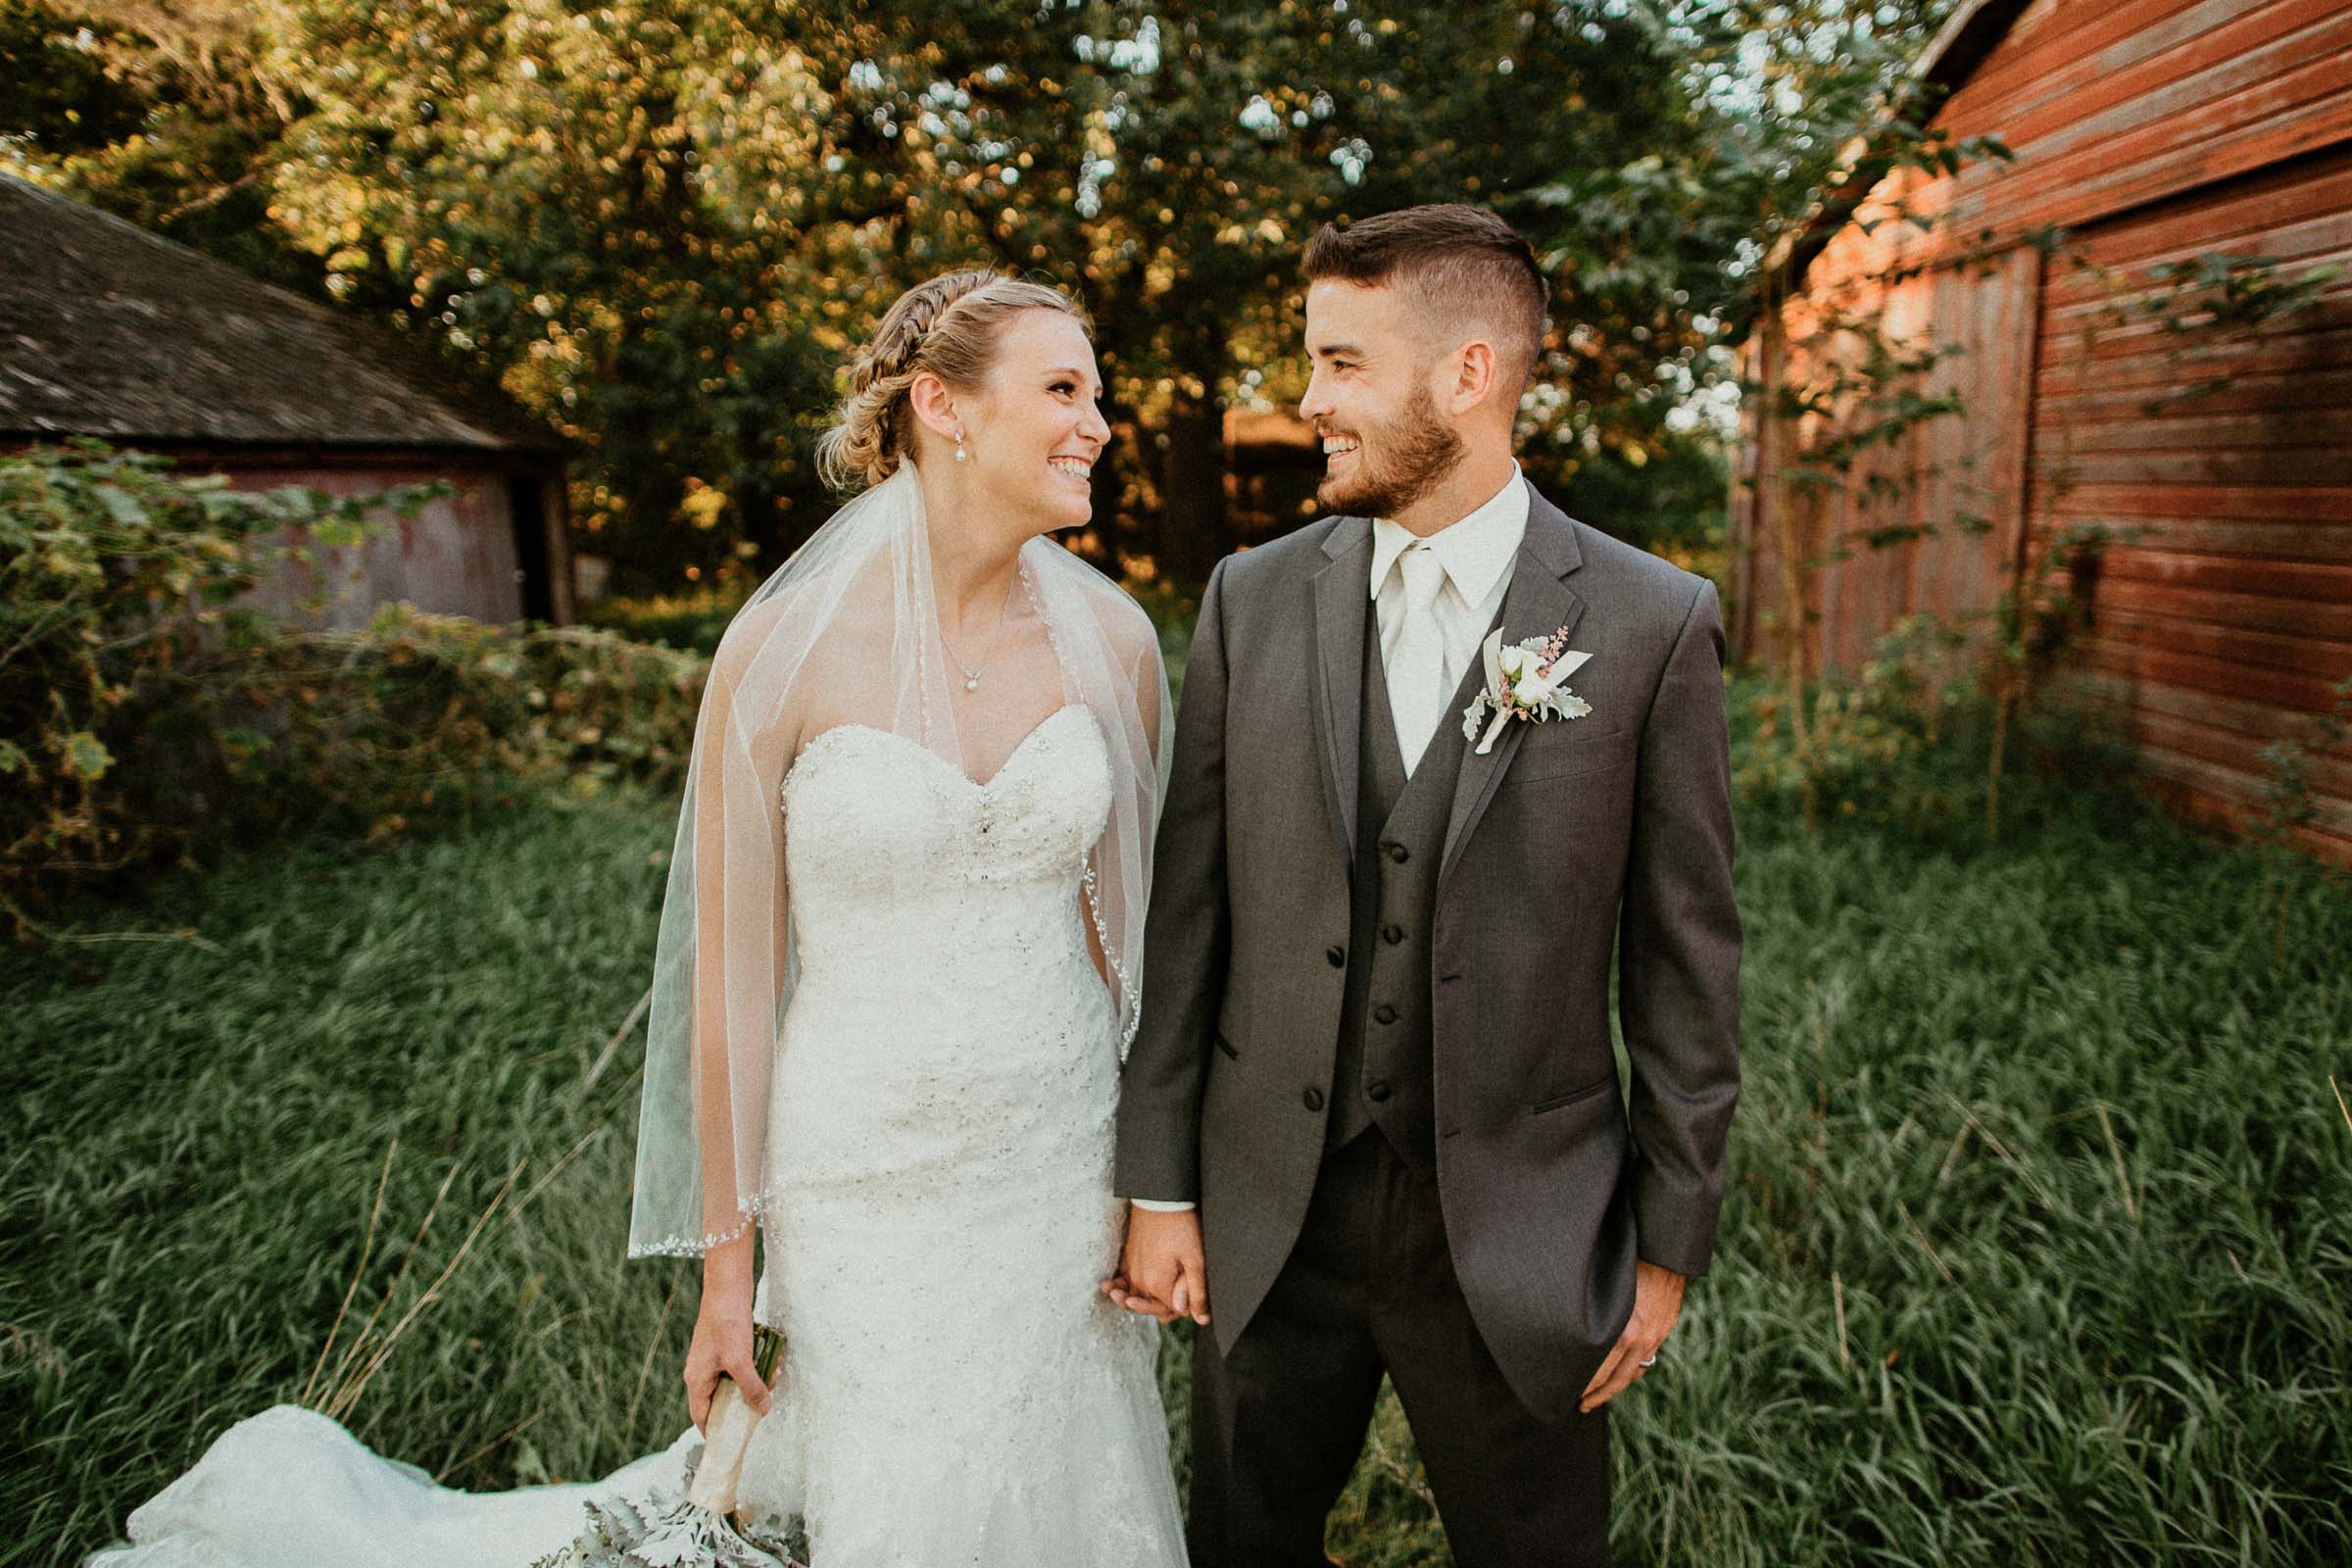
<point x="955" y="1388"/>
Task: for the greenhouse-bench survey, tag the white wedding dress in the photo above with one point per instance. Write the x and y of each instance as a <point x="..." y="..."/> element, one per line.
<point x="955" y="1392"/>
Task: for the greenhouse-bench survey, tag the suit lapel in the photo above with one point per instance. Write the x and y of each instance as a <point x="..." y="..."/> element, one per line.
<point x="1538" y="602"/>
<point x="1341" y="594"/>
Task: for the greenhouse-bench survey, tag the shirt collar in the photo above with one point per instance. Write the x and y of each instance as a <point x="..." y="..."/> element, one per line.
<point x="1475" y="551"/>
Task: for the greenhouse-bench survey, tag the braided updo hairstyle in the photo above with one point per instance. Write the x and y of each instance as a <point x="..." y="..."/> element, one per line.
<point x="948" y="326"/>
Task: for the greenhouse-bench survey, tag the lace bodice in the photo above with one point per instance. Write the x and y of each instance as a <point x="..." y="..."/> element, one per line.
<point x="889" y="843"/>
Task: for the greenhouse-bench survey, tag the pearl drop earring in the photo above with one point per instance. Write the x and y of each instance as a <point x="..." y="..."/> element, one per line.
<point x="961" y="454"/>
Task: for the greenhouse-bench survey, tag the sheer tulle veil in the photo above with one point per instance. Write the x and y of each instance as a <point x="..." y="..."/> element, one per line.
<point x="847" y="632"/>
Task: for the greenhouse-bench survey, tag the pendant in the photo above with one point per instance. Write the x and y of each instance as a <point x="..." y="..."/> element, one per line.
<point x="971" y="683"/>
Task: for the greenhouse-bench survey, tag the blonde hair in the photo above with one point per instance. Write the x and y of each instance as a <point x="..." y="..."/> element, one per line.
<point x="948" y="326"/>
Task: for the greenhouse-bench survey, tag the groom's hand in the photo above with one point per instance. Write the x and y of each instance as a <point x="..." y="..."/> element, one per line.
<point x="1163" y="1271"/>
<point x="1657" y="1303"/>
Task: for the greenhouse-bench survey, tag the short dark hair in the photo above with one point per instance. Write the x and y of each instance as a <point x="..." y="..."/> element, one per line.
<point x="1458" y="261"/>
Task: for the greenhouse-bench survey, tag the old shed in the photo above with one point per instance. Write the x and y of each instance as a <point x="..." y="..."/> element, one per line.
<point x="2146" y="387"/>
<point x="110" y="331"/>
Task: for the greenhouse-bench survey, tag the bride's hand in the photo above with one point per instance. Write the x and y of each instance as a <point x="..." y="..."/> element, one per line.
<point x="1162" y="1272"/>
<point x="722" y="1347"/>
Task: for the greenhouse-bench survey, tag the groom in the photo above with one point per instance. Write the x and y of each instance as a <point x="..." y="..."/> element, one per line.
<point x="1373" y="1101"/>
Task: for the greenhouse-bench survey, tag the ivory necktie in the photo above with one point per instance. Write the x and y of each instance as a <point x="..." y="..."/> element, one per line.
<point x="1417" y="667"/>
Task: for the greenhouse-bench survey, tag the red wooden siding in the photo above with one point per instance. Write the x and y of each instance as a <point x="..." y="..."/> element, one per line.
<point x="457" y="557"/>
<point x="1981" y="319"/>
<point x="2152" y="131"/>
<point x="2222" y="627"/>
<point x="2109" y="107"/>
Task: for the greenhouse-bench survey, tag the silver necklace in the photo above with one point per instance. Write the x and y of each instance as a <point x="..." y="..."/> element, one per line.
<point x="971" y="672"/>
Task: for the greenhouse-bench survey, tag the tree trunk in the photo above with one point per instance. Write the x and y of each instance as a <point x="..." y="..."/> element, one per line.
<point x="1195" y="532"/>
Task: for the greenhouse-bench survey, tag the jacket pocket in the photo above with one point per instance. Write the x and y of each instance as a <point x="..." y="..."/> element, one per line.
<point x="1575" y="1095"/>
<point x="1568" y="757"/>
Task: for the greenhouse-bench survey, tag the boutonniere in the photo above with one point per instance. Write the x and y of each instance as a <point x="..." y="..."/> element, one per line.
<point x="1525" y="680"/>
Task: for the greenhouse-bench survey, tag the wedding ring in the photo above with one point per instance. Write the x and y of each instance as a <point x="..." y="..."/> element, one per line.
<point x="1650" y="1359"/>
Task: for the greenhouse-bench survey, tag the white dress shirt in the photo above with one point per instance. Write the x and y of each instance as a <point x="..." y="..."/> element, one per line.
<point x="1477" y="553"/>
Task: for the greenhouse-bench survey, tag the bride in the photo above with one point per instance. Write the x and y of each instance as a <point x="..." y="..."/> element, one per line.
<point x="895" y="973"/>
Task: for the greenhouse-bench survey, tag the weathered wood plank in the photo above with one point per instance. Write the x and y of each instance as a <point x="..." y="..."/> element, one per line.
<point x="2285" y="428"/>
<point x="2295" y="466"/>
<point x="2131" y="396"/>
<point x="2201" y="673"/>
<point x="2162" y="603"/>
<point x="2298" y="539"/>
<point x="2257" y="724"/>
<point x="2313" y="507"/>
<point x="2317" y="584"/>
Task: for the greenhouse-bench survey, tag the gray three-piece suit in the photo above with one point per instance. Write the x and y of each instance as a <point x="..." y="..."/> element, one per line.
<point x="1376" y="1046"/>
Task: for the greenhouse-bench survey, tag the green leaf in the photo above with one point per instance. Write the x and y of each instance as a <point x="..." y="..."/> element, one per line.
<point x="120" y="505"/>
<point x="86" y="756"/>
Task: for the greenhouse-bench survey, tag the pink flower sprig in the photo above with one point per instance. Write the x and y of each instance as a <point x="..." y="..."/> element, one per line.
<point x="1549" y="653"/>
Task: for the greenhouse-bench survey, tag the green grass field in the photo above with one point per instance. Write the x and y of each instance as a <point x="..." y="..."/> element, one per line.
<point x="2037" y="1249"/>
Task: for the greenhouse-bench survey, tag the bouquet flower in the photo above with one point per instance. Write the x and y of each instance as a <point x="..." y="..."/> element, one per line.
<point x="697" y="1529"/>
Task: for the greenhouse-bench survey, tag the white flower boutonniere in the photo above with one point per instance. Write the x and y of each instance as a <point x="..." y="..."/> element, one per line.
<point x="1525" y="680"/>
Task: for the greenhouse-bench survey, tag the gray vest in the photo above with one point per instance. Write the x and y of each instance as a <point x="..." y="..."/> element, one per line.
<point x="1383" y="1076"/>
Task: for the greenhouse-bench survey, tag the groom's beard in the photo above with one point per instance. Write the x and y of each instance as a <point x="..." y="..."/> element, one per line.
<point x="1415" y="454"/>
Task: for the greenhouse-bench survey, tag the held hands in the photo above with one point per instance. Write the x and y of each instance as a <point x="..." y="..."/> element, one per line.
<point x="1657" y="1303"/>
<point x="1161" y="1271"/>
<point x="722" y="1347"/>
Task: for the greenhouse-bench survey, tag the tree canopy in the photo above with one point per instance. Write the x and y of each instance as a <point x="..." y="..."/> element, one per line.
<point x="662" y="226"/>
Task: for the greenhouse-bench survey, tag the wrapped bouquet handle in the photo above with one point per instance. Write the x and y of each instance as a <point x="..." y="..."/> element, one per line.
<point x="727" y="1429"/>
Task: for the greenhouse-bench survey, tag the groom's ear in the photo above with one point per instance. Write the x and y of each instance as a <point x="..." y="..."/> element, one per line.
<point x="1475" y="376"/>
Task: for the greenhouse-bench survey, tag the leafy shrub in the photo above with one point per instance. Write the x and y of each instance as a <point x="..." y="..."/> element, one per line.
<point x="1869" y="745"/>
<point x="148" y="717"/>
<point x="690" y="622"/>
<point x="1907" y="743"/>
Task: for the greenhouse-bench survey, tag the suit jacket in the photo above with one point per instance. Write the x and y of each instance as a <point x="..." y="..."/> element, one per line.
<point x="1567" y="835"/>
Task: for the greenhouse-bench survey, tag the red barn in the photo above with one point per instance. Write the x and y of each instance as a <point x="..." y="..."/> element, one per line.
<point x="109" y="330"/>
<point x="2128" y="315"/>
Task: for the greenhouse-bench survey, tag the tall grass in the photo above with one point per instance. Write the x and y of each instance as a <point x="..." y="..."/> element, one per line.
<point x="197" y="1131"/>
<point x="2035" y="1250"/>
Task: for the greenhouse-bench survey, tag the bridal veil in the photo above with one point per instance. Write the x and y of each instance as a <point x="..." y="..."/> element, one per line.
<point x="847" y="632"/>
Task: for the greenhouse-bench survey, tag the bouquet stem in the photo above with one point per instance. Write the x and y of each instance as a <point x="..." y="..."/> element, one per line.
<point x="727" y="1429"/>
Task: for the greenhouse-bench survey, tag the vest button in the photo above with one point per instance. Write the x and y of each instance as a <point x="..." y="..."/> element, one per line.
<point x="1378" y="1089"/>
<point x="1337" y="955"/>
<point x="1312" y="1100"/>
<point x="1392" y="934"/>
<point x="1399" y="854"/>
<point x="1385" y="1013"/>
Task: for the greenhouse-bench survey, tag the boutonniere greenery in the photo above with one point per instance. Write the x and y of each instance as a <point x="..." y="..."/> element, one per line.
<point x="1525" y="680"/>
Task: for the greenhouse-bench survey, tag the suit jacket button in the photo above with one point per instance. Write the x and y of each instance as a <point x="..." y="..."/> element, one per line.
<point x="1399" y="854"/>
<point x="1385" y="1013"/>
<point x="1392" y="934"/>
<point x="1337" y="955"/>
<point x="1312" y="1100"/>
<point x="1378" y="1090"/>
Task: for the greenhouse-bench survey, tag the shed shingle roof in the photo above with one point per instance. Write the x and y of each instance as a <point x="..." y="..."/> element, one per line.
<point x="109" y="330"/>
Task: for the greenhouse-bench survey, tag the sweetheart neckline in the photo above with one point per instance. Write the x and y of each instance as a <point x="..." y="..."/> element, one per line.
<point x="979" y="786"/>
